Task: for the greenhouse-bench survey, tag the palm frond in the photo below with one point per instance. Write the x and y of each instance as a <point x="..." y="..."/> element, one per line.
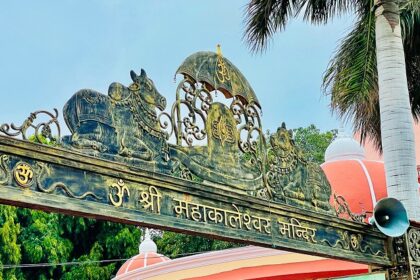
<point x="320" y="11"/>
<point x="409" y="19"/>
<point x="351" y="80"/>
<point x="263" y="18"/>
<point x="351" y="77"/>
<point x="410" y="29"/>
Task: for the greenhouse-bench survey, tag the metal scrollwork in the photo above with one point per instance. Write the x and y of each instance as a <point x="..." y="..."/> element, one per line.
<point x="165" y="123"/>
<point x="398" y="273"/>
<point x="252" y="142"/>
<point x="196" y="100"/>
<point x="41" y="130"/>
<point x="249" y="125"/>
<point x="343" y="211"/>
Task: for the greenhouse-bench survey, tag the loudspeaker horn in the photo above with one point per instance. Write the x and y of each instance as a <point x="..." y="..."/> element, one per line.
<point x="390" y="217"/>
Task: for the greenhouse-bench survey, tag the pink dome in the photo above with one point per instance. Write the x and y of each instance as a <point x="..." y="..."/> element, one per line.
<point x="148" y="256"/>
<point x="140" y="261"/>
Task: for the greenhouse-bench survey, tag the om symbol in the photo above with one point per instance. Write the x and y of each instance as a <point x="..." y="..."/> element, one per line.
<point x="23" y="174"/>
<point x="222" y="72"/>
<point x="121" y="189"/>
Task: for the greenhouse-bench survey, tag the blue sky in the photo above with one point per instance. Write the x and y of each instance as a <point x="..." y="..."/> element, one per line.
<point x="50" y="49"/>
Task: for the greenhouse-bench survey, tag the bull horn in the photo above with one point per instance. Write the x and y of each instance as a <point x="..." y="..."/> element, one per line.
<point x="142" y="73"/>
<point x="133" y="75"/>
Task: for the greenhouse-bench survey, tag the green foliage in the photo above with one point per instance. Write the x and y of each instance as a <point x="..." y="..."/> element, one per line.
<point x="42" y="242"/>
<point x="10" y="252"/>
<point x="91" y="267"/>
<point x="175" y="245"/>
<point x="313" y="142"/>
<point x="120" y="241"/>
<point x="43" y="140"/>
<point x="31" y="237"/>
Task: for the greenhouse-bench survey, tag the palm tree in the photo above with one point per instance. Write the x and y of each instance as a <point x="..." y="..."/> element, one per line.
<point x="367" y="78"/>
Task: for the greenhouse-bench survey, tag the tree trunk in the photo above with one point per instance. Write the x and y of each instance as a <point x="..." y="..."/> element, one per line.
<point x="396" y="119"/>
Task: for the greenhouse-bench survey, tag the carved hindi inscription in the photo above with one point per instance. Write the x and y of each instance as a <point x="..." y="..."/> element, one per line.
<point x="295" y="230"/>
<point x="150" y="199"/>
<point x="231" y="218"/>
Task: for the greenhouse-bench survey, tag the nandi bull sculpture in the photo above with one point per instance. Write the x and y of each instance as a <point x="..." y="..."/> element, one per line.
<point x="122" y="124"/>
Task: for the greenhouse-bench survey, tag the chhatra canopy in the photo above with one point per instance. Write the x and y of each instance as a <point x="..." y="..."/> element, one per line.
<point x="217" y="72"/>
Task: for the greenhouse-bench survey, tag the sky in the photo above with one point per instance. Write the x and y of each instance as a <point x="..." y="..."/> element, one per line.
<point x="51" y="49"/>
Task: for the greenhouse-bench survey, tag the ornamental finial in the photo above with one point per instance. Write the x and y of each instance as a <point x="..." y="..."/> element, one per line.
<point x="219" y="50"/>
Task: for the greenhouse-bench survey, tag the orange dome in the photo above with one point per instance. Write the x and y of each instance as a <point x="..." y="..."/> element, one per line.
<point x="361" y="182"/>
<point x="141" y="260"/>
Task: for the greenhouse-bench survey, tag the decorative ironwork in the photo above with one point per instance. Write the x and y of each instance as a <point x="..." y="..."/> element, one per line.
<point x="343" y="211"/>
<point x="196" y="100"/>
<point x="41" y="131"/>
<point x="398" y="273"/>
<point x="220" y="153"/>
<point x="251" y="136"/>
<point x="416" y="272"/>
<point x="235" y="148"/>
